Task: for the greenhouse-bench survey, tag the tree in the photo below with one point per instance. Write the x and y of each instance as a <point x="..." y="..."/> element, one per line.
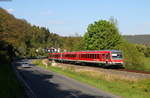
<point x="101" y="35"/>
<point x="105" y="35"/>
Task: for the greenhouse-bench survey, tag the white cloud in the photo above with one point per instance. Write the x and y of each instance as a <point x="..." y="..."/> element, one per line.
<point x="10" y="10"/>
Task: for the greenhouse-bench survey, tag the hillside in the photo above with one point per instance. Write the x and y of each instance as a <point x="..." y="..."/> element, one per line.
<point x="139" y="39"/>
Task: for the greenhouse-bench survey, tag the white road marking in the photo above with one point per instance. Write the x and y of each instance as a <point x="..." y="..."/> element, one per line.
<point x="74" y="95"/>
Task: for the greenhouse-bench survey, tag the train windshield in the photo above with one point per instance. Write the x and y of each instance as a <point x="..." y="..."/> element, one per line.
<point x="116" y="55"/>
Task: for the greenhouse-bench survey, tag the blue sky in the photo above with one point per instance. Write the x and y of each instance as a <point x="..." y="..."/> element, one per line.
<point x="67" y="17"/>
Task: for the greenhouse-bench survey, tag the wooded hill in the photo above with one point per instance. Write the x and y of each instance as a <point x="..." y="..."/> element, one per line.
<point x="18" y="37"/>
<point x="138" y="39"/>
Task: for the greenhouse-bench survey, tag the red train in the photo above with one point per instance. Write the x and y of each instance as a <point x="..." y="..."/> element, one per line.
<point x="105" y="57"/>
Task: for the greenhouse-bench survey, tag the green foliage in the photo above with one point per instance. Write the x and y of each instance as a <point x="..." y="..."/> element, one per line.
<point x="101" y="35"/>
<point x="147" y="52"/>
<point x="132" y="57"/>
<point x="147" y="64"/>
<point x="6" y="52"/>
<point x="72" y="43"/>
<point x="105" y="35"/>
<point x="55" y="41"/>
<point x="144" y="49"/>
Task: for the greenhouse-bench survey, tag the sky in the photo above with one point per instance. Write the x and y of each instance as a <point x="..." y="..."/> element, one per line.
<point x="70" y="17"/>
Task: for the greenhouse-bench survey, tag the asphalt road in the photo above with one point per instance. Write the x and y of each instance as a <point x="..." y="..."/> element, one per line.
<point x="47" y="84"/>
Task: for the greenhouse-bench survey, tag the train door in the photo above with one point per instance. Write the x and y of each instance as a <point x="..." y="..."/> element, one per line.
<point x="107" y="58"/>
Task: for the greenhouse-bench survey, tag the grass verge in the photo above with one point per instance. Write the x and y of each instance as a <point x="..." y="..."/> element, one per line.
<point x="9" y="86"/>
<point x="124" y="88"/>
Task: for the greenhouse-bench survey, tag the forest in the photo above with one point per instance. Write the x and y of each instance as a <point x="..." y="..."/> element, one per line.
<point x="18" y="38"/>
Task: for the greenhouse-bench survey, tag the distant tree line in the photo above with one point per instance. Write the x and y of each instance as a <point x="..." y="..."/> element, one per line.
<point x="138" y="39"/>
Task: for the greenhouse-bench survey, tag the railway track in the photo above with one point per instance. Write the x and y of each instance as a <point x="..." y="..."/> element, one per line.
<point x="119" y="72"/>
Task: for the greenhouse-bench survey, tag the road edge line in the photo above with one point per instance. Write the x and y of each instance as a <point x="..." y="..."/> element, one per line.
<point x="29" y="92"/>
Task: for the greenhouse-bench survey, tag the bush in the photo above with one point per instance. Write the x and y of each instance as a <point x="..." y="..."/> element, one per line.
<point x="132" y="57"/>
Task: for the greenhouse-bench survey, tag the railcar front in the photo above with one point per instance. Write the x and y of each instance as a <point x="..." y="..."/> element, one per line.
<point x="116" y="57"/>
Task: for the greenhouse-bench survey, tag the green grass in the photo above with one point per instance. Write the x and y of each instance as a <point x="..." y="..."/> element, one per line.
<point x="9" y="86"/>
<point x="126" y="89"/>
<point x="147" y="64"/>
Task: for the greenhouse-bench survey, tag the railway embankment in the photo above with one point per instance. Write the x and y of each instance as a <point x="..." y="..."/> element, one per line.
<point x="125" y="84"/>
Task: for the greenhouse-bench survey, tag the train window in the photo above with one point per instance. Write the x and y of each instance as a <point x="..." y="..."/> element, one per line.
<point x="81" y="55"/>
<point x="116" y="55"/>
<point x="98" y="56"/>
<point x="103" y="56"/>
<point x="90" y="55"/>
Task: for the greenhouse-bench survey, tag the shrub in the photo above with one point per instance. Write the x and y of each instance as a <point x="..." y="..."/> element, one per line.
<point x="132" y="57"/>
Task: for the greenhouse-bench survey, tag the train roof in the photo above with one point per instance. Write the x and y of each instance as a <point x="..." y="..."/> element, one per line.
<point x="92" y="51"/>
